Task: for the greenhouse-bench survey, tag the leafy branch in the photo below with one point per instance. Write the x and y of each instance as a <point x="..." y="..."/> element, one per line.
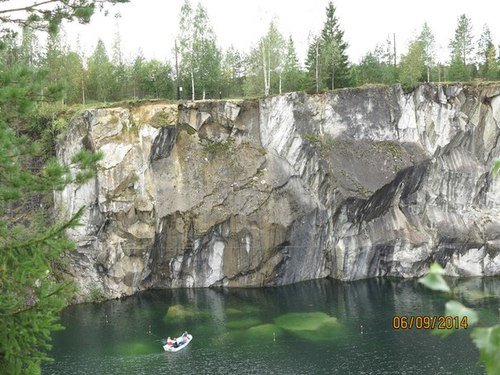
<point x="487" y="340"/>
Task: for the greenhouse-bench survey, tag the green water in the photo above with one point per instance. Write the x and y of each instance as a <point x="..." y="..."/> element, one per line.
<point x="316" y="326"/>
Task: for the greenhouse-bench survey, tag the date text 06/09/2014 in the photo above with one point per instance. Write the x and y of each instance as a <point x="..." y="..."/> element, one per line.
<point x="429" y="322"/>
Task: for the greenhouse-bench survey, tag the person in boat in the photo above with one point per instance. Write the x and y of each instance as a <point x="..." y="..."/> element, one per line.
<point x="181" y="340"/>
<point x="169" y="341"/>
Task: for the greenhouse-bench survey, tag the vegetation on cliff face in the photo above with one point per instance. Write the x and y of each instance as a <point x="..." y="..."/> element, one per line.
<point x="30" y="249"/>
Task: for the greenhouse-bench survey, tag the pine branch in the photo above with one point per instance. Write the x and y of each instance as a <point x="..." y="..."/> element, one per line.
<point x="53" y="232"/>
<point x="28" y="7"/>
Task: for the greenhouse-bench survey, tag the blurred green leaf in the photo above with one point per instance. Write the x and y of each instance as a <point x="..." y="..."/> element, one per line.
<point x="433" y="280"/>
<point x="455" y="308"/>
<point x="488" y="342"/>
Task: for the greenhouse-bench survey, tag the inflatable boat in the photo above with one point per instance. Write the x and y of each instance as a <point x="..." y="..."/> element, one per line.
<point x="178" y="344"/>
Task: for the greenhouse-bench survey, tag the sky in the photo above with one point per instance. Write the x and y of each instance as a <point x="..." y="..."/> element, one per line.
<point x="151" y="25"/>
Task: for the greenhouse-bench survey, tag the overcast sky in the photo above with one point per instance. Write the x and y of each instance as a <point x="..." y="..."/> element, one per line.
<point x="151" y="25"/>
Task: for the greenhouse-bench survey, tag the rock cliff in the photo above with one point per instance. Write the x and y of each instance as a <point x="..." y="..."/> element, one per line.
<point x="348" y="184"/>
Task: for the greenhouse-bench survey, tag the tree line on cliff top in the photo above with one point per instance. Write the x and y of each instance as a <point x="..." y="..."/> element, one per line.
<point x="200" y="69"/>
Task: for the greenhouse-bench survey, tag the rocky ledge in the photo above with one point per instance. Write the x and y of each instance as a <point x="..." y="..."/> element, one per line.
<point x="348" y="184"/>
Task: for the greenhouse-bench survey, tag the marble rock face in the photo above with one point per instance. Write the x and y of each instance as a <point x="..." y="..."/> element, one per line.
<point x="349" y="184"/>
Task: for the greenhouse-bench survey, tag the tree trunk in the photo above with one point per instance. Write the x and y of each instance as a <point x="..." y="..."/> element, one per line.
<point x="333" y="75"/>
<point x="317" y="63"/>
<point x="83" y="91"/>
<point x="264" y="69"/>
<point x="269" y="68"/>
<point x="203" y="93"/>
<point x="428" y="74"/>
<point x="177" y="72"/>
<point x="394" y="38"/>
<point x="280" y="83"/>
<point x="192" y="85"/>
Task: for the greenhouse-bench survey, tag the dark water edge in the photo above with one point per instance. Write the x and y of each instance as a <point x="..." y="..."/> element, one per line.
<point x="233" y="330"/>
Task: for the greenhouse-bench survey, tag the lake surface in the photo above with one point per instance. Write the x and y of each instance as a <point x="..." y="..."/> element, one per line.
<point x="316" y="327"/>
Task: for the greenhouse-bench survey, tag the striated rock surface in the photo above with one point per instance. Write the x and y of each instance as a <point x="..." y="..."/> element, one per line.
<point x="349" y="184"/>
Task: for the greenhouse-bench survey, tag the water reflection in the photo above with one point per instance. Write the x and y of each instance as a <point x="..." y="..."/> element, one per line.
<point x="321" y="326"/>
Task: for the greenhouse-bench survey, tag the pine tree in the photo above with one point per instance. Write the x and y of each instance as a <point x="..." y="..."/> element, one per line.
<point x="100" y="74"/>
<point x="292" y="74"/>
<point x="314" y="81"/>
<point x="30" y="49"/>
<point x="327" y="57"/>
<point x="462" y="49"/>
<point x="30" y="249"/>
<point x="119" y="73"/>
<point x="486" y="56"/>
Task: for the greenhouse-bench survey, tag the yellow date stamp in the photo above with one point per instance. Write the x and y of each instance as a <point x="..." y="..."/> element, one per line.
<point x="429" y="322"/>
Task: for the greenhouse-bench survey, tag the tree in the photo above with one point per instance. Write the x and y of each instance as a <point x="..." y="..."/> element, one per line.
<point x="186" y="43"/>
<point x="48" y="15"/>
<point x="207" y="57"/>
<point x="369" y="70"/>
<point x="462" y="48"/>
<point x="292" y="74"/>
<point x="327" y="59"/>
<point x="313" y="66"/>
<point x="30" y="49"/>
<point x="265" y="64"/>
<point x="100" y="74"/>
<point x="486" y="56"/>
<point x="232" y="73"/>
<point x="119" y="71"/>
<point x="31" y="296"/>
<point x="412" y="66"/>
<point x="335" y="48"/>
<point x="426" y="38"/>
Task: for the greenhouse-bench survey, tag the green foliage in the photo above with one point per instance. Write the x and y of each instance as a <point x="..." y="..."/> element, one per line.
<point x="327" y="62"/>
<point x="496" y="167"/>
<point x="31" y="249"/>
<point x="461" y="47"/>
<point x="97" y="294"/>
<point x="486" y="56"/>
<point x="232" y="74"/>
<point x="265" y="64"/>
<point x="434" y="279"/>
<point x="200" y="64"/>
<point x="412" y="66"/>
<point x="487" y="340"/>
<point x="325" y="143"/>
<point x="216" y="148"/>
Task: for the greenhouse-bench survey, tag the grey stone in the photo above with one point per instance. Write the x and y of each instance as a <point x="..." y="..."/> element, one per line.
<point x="348" y="184"/>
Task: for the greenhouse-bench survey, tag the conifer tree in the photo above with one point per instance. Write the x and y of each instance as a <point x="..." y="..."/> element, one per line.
<point x="29" y="249"/>
<point x="462" y="49"/>
<point x="486" y="56"/>
<point x="292" y="74"/>
<point x="327" y="56"/>
<point x="100" y="74"/>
